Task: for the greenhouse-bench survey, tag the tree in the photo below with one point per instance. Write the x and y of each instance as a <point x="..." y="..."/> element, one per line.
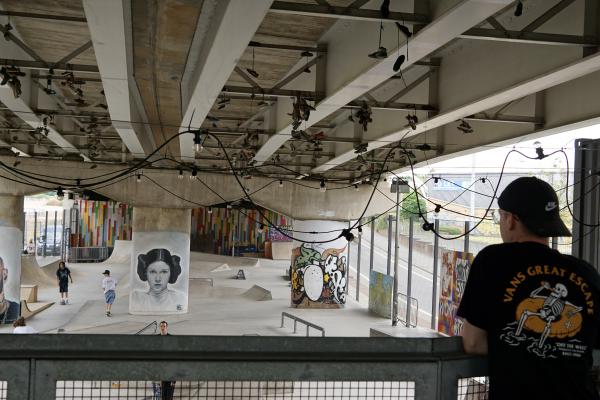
<point x="410" y="207"/>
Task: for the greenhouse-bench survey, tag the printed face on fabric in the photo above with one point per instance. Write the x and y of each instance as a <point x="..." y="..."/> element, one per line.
<point x="158" y="274"/>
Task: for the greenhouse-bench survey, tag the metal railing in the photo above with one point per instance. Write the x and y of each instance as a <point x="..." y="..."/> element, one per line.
<point x="302" y="321"/>
<point x="414" y="308"/>
<point x="153" y="324"/>
<point x="42" y="367"/>
<point x="93" y="254"/>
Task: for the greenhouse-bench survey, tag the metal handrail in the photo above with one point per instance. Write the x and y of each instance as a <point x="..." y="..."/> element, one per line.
<point x="297" y="319"/>
<point x="412" y="301"/>
<point x="153" y="323"/>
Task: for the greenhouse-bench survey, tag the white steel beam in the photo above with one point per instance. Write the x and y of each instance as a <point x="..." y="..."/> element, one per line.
<point x="527" y="87"/>
<point x="22" y="110"/>
<point x="106" y="21"/>
<point x="347" y="81"/>
<point x="224" y="29"/>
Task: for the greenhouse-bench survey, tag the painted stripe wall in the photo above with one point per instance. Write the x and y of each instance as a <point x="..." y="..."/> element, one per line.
<point x="100" y="223"/>
<point x="221" y="226"/>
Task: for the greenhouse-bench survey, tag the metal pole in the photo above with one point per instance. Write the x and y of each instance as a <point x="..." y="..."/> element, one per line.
<point x="45" y="236"/>
<point x="554" y="243"/>
<point x="54" y="244"/>
<point x="372" y="253"/>
<point x="63" y="241"/>
<point x="35" y="233"/>
<point x="467" y="227"/>
<point x="434" y="295"/>
<point x="389" y="252"/>
<point x="396" y="252"/>
<point x="358" y="266"/>
<point x="409" y="267"/>
<point x="348" y="269"/>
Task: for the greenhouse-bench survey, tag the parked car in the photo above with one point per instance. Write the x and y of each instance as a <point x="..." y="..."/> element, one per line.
<point x="52" y="246"/>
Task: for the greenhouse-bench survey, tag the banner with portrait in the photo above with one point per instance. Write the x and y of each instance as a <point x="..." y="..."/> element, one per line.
<point x="11" y="246"/>
<point x="453" y="279"/>
<point x="159" y="273"/>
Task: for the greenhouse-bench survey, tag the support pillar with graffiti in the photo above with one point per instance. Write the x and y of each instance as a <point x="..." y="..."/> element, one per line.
<point x="319" y="270"/>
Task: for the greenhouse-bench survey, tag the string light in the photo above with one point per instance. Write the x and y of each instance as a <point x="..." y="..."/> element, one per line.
<point x="209" y="210"/>
<point x="180" y="176"/>
<point x="280" y="183"/>
<point x="322" y="187"/>
<point x="194" y="173"/>
<point x="138" y="178"/>
<point x="60" y="194"/>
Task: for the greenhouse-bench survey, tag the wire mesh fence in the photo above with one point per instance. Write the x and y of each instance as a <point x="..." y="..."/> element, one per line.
<point x="474" y="388"/>
<point x="230" y="390"/>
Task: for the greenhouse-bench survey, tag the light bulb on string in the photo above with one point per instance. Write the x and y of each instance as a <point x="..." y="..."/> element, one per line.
<point x="322" y="187"/>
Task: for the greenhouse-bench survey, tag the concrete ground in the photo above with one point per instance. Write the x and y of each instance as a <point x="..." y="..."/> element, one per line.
<point x="222" y="309"/>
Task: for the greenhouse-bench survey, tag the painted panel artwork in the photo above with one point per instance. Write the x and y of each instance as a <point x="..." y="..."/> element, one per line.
<point x="381" y="287"/>
<point x="159" y="273"/>
<point x="10" y="273"/>
<point x="454" y="274"/>
<point x="318" y="278"/>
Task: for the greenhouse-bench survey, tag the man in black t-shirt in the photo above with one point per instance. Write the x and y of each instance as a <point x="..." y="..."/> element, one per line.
<point x="533" y="310"/>
<point x="63" y="274"/>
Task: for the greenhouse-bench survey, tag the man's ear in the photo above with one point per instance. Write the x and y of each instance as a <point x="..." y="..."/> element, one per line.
<point x="4" y="274"/>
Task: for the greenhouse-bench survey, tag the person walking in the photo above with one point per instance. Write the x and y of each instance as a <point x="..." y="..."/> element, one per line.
<point x="167" y="388"/>
<point x="63" y="274"/>
<point x="534" y="311"/>
<point x="109" y="285"/>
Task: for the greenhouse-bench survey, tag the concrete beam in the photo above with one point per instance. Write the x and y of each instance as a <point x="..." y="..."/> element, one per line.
<point x="293" y="200"/>
<point x="538" y="82"/>
<point x="22" y="110"/>
<point x="107" y="24"/>
<point x="314" y="10"/>
<point x="223" y="31"/>
<point x="350" y="77"/>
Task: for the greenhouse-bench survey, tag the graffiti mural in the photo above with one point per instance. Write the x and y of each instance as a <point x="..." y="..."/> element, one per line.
<point x="318" y="279"/>
<point x="381" y="287"/>
<point x="455" y="271"/>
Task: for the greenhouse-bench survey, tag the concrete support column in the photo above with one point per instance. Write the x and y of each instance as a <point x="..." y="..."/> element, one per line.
<point x="319" y="270"/>
<point x="160" y="261"/>
<point x="11" y="246"/>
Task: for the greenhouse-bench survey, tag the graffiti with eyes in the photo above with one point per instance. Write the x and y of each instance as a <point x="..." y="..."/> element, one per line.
<point x="318" y="279"/>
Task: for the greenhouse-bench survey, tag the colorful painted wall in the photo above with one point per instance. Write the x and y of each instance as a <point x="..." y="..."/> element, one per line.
<point x="319" y="270"/>
<point x="215" y="232"/>
<point x="455" y="270"/>
<point x="100" y="223"/>
<point x="381" y="287"/>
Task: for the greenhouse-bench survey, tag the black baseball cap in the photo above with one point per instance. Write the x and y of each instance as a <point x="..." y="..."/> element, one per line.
<point x="536" y="204"/>
<point x="106" y="272"/>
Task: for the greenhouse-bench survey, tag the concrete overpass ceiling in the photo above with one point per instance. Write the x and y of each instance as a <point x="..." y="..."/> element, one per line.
<point x="476" y="74"/>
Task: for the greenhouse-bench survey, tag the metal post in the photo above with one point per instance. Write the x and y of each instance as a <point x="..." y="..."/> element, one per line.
<point x="389" y="252"/>
<point x="45" y="236"/>
<point x="409" y="267"/>
<point x="554" y="242"/>
<point x="396" y="252"/>
<point x="348" y="269"/>
<point x="434" y="295"/>
<point x="358" y="265"/>
<point x="372" y="254"/>
<point x="35" y="233"/>
<point x="63" y="241"/>
<point x="467" y="227"/>
<point x="54" y="244"/>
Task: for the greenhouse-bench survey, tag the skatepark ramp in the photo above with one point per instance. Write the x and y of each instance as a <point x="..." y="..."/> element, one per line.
<point x="121" y="253"/>
<point x="33" y="274"/>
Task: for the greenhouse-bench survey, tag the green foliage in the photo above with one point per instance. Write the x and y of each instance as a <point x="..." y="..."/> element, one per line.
<point x="410" y="207"/>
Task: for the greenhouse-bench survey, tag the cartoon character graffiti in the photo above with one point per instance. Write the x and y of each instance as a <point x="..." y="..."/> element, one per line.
<point x="549" y="315"/>
<point x="318" y="279"/>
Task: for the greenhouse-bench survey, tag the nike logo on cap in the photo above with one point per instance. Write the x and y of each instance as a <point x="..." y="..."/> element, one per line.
<point x="551" y="205"/>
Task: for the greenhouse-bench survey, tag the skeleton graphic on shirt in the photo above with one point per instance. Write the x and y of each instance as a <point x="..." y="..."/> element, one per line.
<point x="551" y="310"/>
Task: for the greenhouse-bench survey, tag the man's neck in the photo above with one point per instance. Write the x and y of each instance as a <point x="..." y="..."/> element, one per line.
<point x="531" y="238"/>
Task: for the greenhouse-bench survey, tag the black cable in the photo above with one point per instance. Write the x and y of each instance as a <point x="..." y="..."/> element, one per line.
<point x="567" y="197"/>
